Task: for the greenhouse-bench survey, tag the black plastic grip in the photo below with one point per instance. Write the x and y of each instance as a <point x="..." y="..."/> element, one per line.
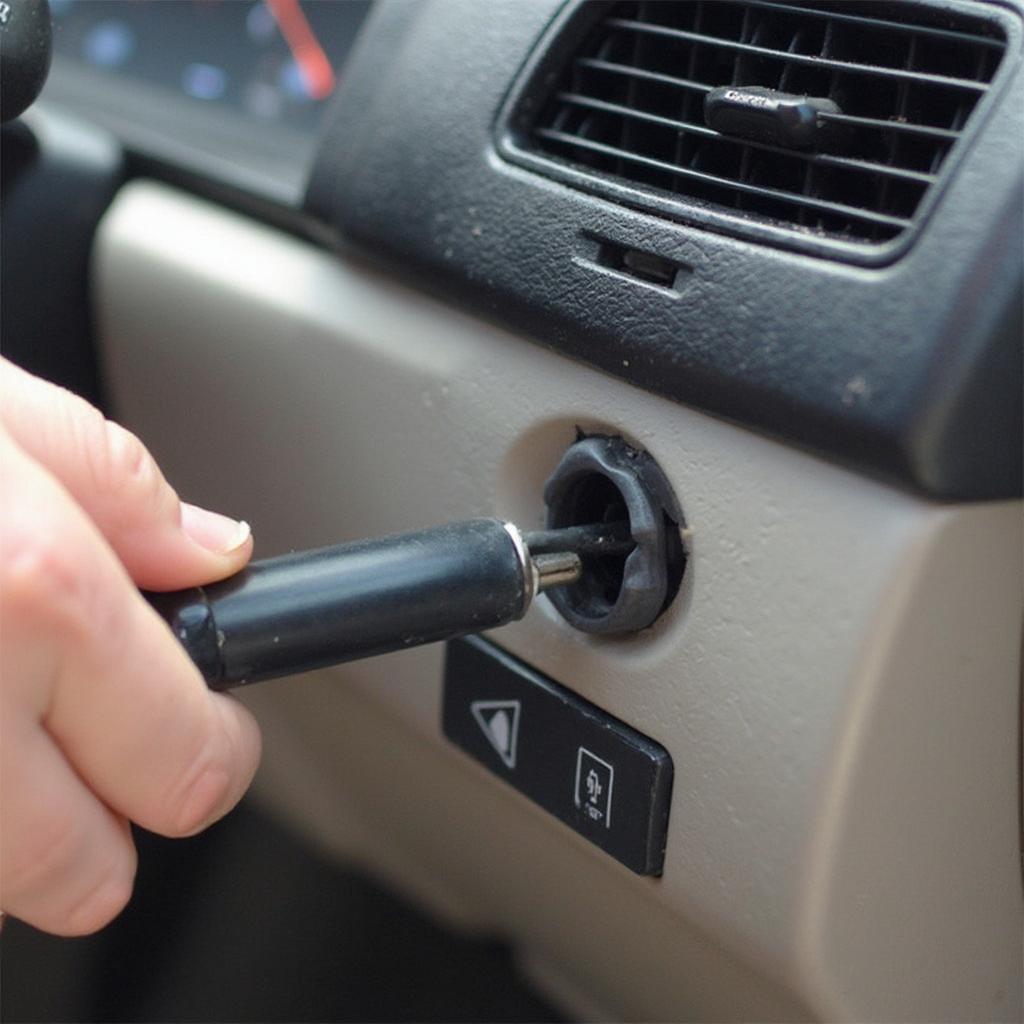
<point x="323" y="607"/>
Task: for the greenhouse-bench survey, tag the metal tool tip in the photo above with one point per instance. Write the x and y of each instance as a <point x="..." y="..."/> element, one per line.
<point x="557" y="569"/>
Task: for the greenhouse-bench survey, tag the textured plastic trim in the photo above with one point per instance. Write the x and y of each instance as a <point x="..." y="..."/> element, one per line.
<point x="579" y="16"/>
<point x="910" y="371"/>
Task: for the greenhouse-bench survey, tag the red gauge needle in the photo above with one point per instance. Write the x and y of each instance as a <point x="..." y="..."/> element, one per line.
<point x="306" y="49"/>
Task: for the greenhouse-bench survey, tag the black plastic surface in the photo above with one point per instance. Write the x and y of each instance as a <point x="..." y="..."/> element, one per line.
<point x="26" y="41"/>
<point x="889" y="369"/>
<point x="600" y="777"/>
<point x="315" y="608"/>
<point x="59" y="177"/>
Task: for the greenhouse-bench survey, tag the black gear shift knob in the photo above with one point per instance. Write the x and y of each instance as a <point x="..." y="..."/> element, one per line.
<point x="26" y="41"/>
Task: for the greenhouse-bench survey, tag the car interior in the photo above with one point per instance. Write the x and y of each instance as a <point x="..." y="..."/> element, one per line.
<point x="731" y="291"/>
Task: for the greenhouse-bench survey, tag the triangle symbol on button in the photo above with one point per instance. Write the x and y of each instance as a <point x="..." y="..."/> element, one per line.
<point x="499" y="722"/>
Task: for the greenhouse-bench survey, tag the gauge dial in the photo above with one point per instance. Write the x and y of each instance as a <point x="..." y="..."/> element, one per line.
<point x="272" y="60"/>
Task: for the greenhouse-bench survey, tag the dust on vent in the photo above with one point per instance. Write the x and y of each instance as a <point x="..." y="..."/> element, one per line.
<point x="625" y="104"/>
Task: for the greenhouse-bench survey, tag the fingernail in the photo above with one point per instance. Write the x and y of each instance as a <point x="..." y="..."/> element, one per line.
<point x="217" y="533"/>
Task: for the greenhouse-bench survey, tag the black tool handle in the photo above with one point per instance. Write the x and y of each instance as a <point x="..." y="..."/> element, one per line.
<point x="323" y="607"/>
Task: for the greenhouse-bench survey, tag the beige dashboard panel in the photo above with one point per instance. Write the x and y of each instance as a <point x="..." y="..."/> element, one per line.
<point x="838" y="682"/>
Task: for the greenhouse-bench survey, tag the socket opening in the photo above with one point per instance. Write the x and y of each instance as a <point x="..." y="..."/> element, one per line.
<point x="595" y="499"/>
<point x="603" y="479"/>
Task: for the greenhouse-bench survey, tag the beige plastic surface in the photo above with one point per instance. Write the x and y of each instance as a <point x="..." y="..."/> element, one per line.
<point x="838" y="683"/>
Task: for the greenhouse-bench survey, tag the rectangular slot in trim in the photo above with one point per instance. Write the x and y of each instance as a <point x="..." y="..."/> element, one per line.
<point x="649" y="267"/>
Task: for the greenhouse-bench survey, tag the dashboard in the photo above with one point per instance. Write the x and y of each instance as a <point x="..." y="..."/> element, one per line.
<point x="511" y="227"/>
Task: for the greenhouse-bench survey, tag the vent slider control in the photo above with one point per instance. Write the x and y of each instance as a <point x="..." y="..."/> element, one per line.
<point x="776" y="118"/>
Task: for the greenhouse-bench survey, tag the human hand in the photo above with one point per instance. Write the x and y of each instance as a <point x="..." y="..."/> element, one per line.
<point x="103" y="718"/>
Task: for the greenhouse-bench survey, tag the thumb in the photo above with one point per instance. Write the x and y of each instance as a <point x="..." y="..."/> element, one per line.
<point x="163" y="542"/>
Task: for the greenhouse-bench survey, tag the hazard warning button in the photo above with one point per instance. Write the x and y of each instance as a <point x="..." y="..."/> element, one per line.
<point x="596" y="774"/>
<point x="499" y="720"/>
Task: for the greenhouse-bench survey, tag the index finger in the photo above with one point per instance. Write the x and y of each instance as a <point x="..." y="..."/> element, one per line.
<point x="126" y="706"/>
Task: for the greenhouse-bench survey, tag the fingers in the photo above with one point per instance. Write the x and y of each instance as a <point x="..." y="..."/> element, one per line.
<point x="67" y="862"/>
<point x="163" y="543"/>
<point x="127" y="721"/>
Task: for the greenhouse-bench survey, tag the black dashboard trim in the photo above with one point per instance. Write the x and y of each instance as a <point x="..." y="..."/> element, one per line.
<point x="574" y="20"/>
<point x="59" y="178"/>
<point x="910" y="372"/>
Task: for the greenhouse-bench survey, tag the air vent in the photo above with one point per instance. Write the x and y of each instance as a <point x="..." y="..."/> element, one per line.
<point x="625" y="104"/>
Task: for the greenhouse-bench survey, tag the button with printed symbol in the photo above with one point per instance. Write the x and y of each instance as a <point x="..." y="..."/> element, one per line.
<point x="596" y="774"/>
<point x="595" y="780"/>
<point x="499" y="720"/>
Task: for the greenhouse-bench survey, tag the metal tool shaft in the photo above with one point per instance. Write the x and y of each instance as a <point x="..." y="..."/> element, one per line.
<point x="316" y="608"/>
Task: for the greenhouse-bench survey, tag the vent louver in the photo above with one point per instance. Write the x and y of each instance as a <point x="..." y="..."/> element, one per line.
<point x="627" y="105"/>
